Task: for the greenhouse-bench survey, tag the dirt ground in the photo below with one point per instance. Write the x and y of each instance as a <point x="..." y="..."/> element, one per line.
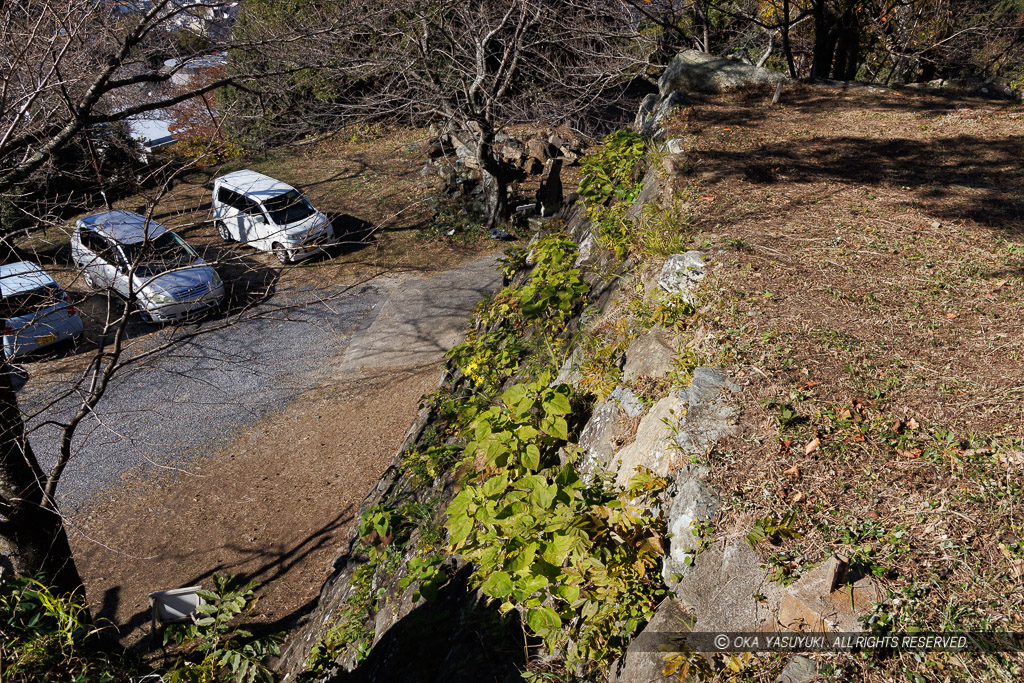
<point x="868" y="290"/>
<point x="273" y="506"/>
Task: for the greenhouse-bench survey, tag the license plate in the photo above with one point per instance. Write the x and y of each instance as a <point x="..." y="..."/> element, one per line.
<point x="46" y="339"/>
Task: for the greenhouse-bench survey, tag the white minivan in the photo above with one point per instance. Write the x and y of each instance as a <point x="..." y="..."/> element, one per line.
<point x="267" y="214"/>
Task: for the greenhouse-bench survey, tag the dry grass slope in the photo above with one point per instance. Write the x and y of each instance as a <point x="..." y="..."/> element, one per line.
<point x="869" y="288"/>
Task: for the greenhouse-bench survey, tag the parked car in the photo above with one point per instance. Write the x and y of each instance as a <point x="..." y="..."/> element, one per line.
<point x="269" y="215"/>
<point x="37" y="313"/>
<point x="131" y="255"/>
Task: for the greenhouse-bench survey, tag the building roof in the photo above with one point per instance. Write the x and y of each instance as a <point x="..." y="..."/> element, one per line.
<point x="151" y="132"/>
<point x="255" y="184"/>
<point x="122" y="226"/>
<point x="23" y="276"/>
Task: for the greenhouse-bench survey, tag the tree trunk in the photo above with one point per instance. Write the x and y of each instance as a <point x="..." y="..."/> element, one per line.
<point x="32" y="534"/>
<point x="847" y="50"/>
<point x="824" y="40"/>
<point x="787" y="49"/>
<point x="494" y="176"/>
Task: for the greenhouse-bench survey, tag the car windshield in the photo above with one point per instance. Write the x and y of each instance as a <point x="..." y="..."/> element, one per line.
<point x="288" y="207"/>
<point x="164" y="252"/>
<point x="27" y="303"/>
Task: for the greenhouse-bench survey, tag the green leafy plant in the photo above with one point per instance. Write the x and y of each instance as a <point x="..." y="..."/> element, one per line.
<point x="552" y="293"/>
<point x="215" y="646"/>
<point x="615" y="170"/>
<point x="424" y="465"/>
<point x="47" y="637"/>
<point x="555" y="287"/>
<point x="773" y="529"/>
<point x="377" y="526"/>
<point x="578" y="558"/>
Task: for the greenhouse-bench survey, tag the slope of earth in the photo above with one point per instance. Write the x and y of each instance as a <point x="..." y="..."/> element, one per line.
<point x="869" y="288"/>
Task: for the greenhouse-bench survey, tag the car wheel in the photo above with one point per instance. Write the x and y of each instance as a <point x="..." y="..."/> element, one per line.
<point x="89" y="282"/>
<point x="222" y="230"/>
<point x="285" y="256"/>
<point x="144" y="315"/>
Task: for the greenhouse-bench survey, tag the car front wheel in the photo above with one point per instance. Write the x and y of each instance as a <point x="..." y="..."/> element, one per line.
<point x="285" y="256"/>
<point x="222" y="230"/>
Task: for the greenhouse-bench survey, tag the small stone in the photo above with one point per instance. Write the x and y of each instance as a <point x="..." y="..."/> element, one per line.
<point x="936" y="225"/>
<point x="799" y="670"/>
<point x="675" y="146"/>
<point x="682" y="272"/>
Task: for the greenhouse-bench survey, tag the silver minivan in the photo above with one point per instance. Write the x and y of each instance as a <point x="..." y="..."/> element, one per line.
<point x="131" y="255"/>
<point x="269" y="215"/>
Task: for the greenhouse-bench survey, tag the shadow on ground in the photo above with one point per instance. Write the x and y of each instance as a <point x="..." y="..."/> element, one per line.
<point x="455" y="638"/>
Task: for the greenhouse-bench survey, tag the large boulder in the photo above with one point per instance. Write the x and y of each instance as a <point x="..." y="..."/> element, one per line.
<point x="653" y="448"/>
<point x="650" y="355"/>
<point x="693" y="71"/>
<point x="710" y="413"/>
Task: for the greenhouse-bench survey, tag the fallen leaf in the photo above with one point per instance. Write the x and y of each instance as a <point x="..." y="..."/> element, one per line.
<point x="793" y="472"/>
<point x="999" y="285"/>
<point x="912" y="423"/>
<point x="797" y="497"/>
<point x="811" y="446"/>
<point x="916" y="453"/>
<point x="1011" y="459"/>
<point x="897" y="426"/>
<point x="952" y="314"/>
<point x="846" y="414"/>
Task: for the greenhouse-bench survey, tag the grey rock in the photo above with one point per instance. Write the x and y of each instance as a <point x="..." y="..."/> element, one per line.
<point x="532" y="166"/>
<point x="538" y="149"/>
<point x="643" y="662"/>
<point x="428" y="171"/>
<point x="709" y="415"/>
<point x="501" y="235"/>
<point x="556" y="141"/>
<point x="598" y="438"/>
<point x="675" y="146"/>
<point x="694" y="71"/>
<point x="652" y="448"/>
<point x="549" y="194"/>
<point x="654" y="110"/>
<point x="682" y="273"/>
<point x="727" y="589"/>
<point x="649" y="192"/>
<point x="650" y="355"/>
<point x="692" y="501"/>
<point x="799" y="670"/>
<point x="569" y="372"/>
<point x="628" y="401"/>
<point x="707" y="383"/>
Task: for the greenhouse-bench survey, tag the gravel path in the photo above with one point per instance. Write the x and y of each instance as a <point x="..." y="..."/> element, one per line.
<point x="169" y="409"/>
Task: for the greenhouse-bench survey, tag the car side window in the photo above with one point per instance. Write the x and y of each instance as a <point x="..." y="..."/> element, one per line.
<point x="253" y="208"/>
<point x="224" y="196"/>
<point x="232" y="199"/>
<point x="94" y="243"/>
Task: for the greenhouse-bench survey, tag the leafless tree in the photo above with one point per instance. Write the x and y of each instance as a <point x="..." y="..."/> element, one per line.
<point x="479" y="66"/>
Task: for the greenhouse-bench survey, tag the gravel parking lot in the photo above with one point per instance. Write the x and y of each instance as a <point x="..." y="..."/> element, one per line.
<point x="166" y="411"/>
